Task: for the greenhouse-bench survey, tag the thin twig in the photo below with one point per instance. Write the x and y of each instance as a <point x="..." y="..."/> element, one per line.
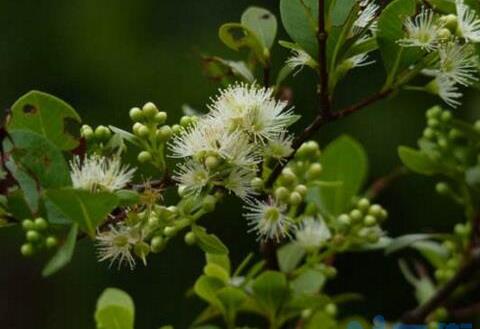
<point x="419" y="314"/>
<point x="380" y="184"/>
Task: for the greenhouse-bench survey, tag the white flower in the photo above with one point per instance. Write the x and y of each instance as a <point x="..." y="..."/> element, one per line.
<point x="96" y="173"/>
<point x="359" y="61"/>
<point x="194" y="176"/>
<point x="239" y="182"/>
<point x="279" y="147"/>
<point x="117" y="244"/>
<point x="299" y="59"/>
<point x="252" y="110"/>
<point x="268" y="220"/>
<point x="447" y="90"/>
<point x="366" y="15"/>
<point x="211" y="136"/>
<point x="312" y="233"/>
<point x="459" y="63"/>
<point x="422" y="31"/>
<point x="468" y="22"/>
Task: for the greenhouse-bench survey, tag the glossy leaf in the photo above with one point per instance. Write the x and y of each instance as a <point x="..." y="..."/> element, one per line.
<point x="64" y="254"/>
<point x="209" y="243"/>
<point x="261" y="22"/>
<point x="308" y="282"/>
<point x="206" y="287"/>
<point x="45" y="115"/>
<point x="340" y="11"/>
<point x="115" y="310"/>
<point x="85" y="208"/>
<point x="418" y="162"/>
<point x="289" y="256"/>
<point x="271" y="290"/>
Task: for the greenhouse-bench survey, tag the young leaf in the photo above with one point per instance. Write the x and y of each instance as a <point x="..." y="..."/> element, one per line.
<point x="85" y="208"/>
<point x="289" y="256"/>
<point x="270" y="289"/>
<point x="418" y="161"/>
<point x="44" y="114"/>
<point x="309" y="282"/>
<point x="209" y="243"/>
<point x="405" y="241"/>
<point x="433" y="251"/>
<point x="261" y="22"/>
<point x="206" y="287"/>
<point x="64" y="253"/>
<point x="300" y="19"/>
<point x="345" y="166"/>
<point x="115" y="310"/>
<point x="237" y="36"/>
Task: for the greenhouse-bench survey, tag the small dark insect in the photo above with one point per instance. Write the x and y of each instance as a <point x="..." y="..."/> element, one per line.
<point x="30" y="109"/>
<point x="265" y="16"/>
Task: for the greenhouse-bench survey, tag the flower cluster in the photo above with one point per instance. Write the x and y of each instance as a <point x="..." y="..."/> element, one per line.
<point x="451" y="40"/>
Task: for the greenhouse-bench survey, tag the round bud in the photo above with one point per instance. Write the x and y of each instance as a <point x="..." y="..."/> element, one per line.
<point x="182" y="190"/>
<point x="433" y="123"/>
<point x="375" y="210"/>
<point x="331" y="309"/>
<point x="169" y="231"/>
<point x="144" y="156"/>
<point x="288" y="177"/>
<point x="312" y="148"/>
<point x="462" y="230"/>
<point x="40" y="224"/>
<point x="344" y="220"/>
<point x="212" y="162"/>
<point x="28" y="224"/>
<point x="33" y="236"/>
<point x="208" y="203"/>
<point x="476" y="125"/>
<point x="102" y="132"/>
<point x="157" y="244"/>
<point x="306" y="313"/>
<point x="150" y="110"/>
<point x="142" y="131"/>
<point x="185" y="121"/>
<point x="454" y="134"/>
<point x="87" y="132"/>
<point x="433" y="113"/>
<point x="136" y="114"/>
<point x="164" y="133"/>
<point x="281" y="193"/>
<point x="51" y="242"/>
<point x="257" y="183"/>
<point x="449" y="245"/>
<point x="141" y="249"/>
<point x="369" y="220"/>
<point x="429" y="133"/>
<point x="302" y="189"/>
<point x="442" y="188"/>
<point x="176" y="129"/>
<point x="153" y="220"/>
<point x="446" y="116"/>
<point x="363" y="204"/>
<point x="160" y="118"/>
<point x="449" y="21"/>
<point x="443" y="143"/>
<point x="444" y="34"/>
<point x="136" y="126"/>
<point x="453" y="263"/>
<point x="172" y="210"/>
<point x="330" y="272"/>
<point x="27" y="249"/>
<point x="295" y="198"/>
<point x="356" y="215"/>
<point x="190" y="238"/>
<point x="314" y="171"/>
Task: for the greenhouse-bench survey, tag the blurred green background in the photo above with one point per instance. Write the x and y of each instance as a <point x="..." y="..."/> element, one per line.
<point x="103" y="57"/>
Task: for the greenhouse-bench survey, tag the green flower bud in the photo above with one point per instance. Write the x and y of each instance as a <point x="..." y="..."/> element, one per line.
<point x="443" y="143"/>
<point x="288" y="177"/>
<point x="356" y="215"/>
<point x="142" y="131"/>
<point x="169" y="231"/>
<point x="136" y="126"/>
<point x="331" y="309"/>
<point x="444" y="34"/>
<point x="446" y="116"/>
<point x="87" y="132"/>
<point x="40" y="224"/>
<point x="142" y="249"/>
<point x="330" y="272"/>
<point x="153" y="220"/>
<point x="462" y="230"/>
<point x="434" y="112"/>
<point x="51" y="242"/>
<point x="136" y="114"/>
<point x="150" y="110"/>
<point x="212" y="162"/>
<point x="453" y="263"/>
<point x="281" y="193"/>
<point x="157" y="244"/>
<point x="442" y="188"/>
<point x="314" y="171"/>
<point x="27" y="249"/>
<point x="102" y="132"/>
<point x="476" y="125"/>
<point x="429" y="133"/>
<point x="449" y="21"/>
<point x="176" y="129"/>
<point x="306" y="313"/>
<point x="369" y="220"/>
<point x="375" y="210"/>
<point x="433" y="123"/>
<point x="295" y="198"/>
<point x="172" y="210"/>
<point x="302" y="189"/>
<point x="257" y="183"/>
<point x="312" y="148"/>
<point x="28" y="224"/>
<point x="185" y="121"/>
<point x="344" y="220"/>
<point x="161" y="118"/>
<point x="190" y="238"/>
<point x="144" y="156"/>
<point x="33" y="236"/>
<point x="454" y="134"/>
<point x="208" y="203"/>
<point x="164" y="133"/>
<point x="363" y="204"/>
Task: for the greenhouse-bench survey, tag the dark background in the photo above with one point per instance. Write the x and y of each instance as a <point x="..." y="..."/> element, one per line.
<point x="103" y="57"/>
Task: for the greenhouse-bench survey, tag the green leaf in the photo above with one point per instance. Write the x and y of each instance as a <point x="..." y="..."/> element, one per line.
<point x="300" y="20"/>
<point x="209" y="243"/>
<point x="220" y="260"/>
<point x="424" y="287"/>
<point x="390" y="30"/>
<point x="271" y="290"/>
<point x="206" y="287"/>
<point x="445" y="6"/>
<point x="63" y="255"/>
<point x="85" y="208"/>
<point x="309" y="282"/>
<point x="345" y="167"/>
<point x="261" y="22"/>
<point x="127" y="197"/>
<point x="232" y="298"/>
<point x="35" y="163"/>
<point x="433" y="251"/>
<point x="289" y="256"/>
<point x="44" y="114"/>
<point x="405" y="241"/>
<point x="115" y="310"/>
<point x="340" y="11"/>
<point x="216" y="271"/>
<point x="418" y="161"/>
<point x="237" y="36"/>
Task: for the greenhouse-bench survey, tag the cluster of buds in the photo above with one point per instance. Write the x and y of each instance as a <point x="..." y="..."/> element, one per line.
<point x="37" y="236"/>
<point x="448" y="268"/>
<point x="361" y="225"/>
<point x="99" y="140"/>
